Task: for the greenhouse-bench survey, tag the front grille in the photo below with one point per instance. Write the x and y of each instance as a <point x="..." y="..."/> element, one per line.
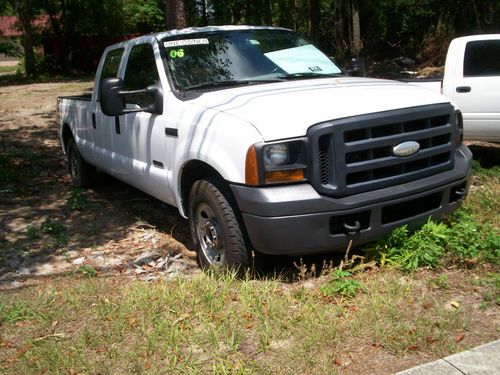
<point x="355" y="154"/>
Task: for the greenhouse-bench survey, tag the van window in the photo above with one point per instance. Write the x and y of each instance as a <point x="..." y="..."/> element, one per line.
<point x="482" y="58"/>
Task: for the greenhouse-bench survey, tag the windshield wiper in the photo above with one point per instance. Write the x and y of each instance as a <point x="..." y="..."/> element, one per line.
<point x="302" y="75"/>
<point x="231" y="82"/>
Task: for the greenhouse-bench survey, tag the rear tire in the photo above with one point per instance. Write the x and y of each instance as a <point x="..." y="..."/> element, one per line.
<point x="82" y="173"/>
<point x="215" y="229"/>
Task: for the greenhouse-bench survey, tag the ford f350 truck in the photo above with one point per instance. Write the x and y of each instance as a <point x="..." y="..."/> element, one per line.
<point x="472" y="81"/>
<point x="264" y="143"/>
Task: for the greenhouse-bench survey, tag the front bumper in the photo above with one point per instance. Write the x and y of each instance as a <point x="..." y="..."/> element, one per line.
<point x="295" y="219"/>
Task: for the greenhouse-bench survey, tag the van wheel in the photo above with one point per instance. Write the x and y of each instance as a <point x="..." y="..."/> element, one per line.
<point x="82" y="173"/>
<point x="215" y="229"/>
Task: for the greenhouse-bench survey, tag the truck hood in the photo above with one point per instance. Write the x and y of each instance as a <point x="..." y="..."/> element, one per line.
<point x="287" y="109"/>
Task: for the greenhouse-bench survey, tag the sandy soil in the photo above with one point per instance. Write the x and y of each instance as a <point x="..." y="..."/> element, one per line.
<point x="116" y="226"/>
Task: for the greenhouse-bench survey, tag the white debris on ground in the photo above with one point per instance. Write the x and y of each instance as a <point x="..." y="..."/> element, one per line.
<point x="144" y="254"/>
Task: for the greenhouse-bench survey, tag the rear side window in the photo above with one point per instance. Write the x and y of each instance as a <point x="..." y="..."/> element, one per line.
<point x="111" y="65"/>
<point x="482" y="58"/>
<point x="140" y="73"/>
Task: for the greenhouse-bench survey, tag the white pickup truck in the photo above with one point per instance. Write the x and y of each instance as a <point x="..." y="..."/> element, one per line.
<point x="263" y="143"/>
<point x="472" y="81"/>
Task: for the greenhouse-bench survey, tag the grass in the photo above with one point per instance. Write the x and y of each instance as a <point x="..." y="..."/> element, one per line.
<point x="483" y="202"/>
<point x="421" y="296"/>
<point x="221" y="324"/>
<point x="8" y="69"/>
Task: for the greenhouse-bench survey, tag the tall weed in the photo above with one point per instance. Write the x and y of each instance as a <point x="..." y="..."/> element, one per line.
<point x="459" y="239"/>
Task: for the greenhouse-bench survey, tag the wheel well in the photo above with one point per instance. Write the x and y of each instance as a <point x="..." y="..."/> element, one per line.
<point x="66" y="136"/>
<point x="193" y="171"/>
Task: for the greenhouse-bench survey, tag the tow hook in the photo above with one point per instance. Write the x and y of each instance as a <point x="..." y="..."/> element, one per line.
<point x="461" y="192"/>
<point x="352" y="228"/>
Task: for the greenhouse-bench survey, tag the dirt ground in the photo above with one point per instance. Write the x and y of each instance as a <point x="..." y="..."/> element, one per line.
<point x="48" y="228"/>
<point x="115" y="229"/>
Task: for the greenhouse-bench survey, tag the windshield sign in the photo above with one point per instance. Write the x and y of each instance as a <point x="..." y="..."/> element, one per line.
<point x="226" y="58"/>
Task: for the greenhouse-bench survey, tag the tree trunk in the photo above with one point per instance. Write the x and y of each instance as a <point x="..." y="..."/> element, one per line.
<point x="204" y="18"/>
<point x="314" y="20"/>
<point x="268" y="14"/>
<point x="24" y="12"/>
<point x="175" y="14"/>
<point x="356" y="43"/>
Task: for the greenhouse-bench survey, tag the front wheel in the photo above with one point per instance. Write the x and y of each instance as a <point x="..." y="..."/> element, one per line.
<point x="215" y="229"/>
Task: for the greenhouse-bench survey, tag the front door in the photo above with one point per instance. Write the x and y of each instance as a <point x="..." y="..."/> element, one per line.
<point x="138" y="140"/>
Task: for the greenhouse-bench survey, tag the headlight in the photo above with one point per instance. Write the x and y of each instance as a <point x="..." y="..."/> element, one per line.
<point x="275" y="155"/>
<point x="276" y="163"/>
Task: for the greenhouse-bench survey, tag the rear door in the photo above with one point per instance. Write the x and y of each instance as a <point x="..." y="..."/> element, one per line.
<point x="477" y="89"/>
<point x="104" y="126"/>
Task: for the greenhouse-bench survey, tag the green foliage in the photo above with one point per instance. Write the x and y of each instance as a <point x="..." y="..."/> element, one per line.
<point x="11" y="48"/>
<point x="410" y="251"/>
<point x="143" y="16"/>
<point x="440" y="282"/>
<point x="468" y="239"/>
<point x="54" y="229"/>
<point x="491" y="296"/>
<point x="50" y="227"/>
<point x="32" y="232"/>
<point x="86" y="271"/>
<point x="482" y="172"/>
<point x="389" y="28"/>
<point x="17" y="312"/>
<point x="461" y="239"/>
<point x="493" y="281"/>
<point x="76" y="200"/>
<point x="341" y="284"/>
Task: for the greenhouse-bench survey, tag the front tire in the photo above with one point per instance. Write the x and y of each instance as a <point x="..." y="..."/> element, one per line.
<point x="215" y="229"/>
<point x="82" y="173"/>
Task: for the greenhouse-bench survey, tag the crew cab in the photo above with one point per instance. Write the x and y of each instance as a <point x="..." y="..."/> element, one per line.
<point x="472" y="81"/>
<point x="263" y="143"/>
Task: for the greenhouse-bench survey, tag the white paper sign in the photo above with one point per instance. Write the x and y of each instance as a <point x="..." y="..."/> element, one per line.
<point x="185" y="42"/>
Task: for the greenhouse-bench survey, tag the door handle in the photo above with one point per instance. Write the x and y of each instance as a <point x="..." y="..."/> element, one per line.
<point x="463" y="89"/>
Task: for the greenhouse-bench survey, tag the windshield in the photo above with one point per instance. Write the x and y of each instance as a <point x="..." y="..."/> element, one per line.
<point x="214" y="59"/>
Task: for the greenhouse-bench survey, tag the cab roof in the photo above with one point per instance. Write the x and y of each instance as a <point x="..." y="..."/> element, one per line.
<point x="193" y="30"/>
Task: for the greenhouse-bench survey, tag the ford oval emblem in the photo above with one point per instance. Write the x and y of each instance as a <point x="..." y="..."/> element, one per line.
<point x="406" y="148"/>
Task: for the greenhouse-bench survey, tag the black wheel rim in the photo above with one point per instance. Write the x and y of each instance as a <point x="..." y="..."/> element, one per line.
<point x="209" y="234"/>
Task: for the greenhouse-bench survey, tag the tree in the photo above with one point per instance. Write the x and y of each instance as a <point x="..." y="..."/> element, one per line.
<point x="143" y="16"/>
<point x="24" y="9"/>
<point x="175" y="14"/>
<point x="356" y="43"/>
<point x="314" y="20"/>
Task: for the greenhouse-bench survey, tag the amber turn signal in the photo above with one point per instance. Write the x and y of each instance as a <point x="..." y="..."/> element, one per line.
<point x="251" y="167"/>
<point x="292" y="175"/>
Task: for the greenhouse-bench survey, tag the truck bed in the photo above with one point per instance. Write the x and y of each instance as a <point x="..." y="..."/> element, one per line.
<point x="85" y="97"/>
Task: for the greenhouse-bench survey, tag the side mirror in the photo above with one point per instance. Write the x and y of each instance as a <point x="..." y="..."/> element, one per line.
<point x="112" y="103"/>
<point x="113" y="98"/>
<point x="356" y="67"/>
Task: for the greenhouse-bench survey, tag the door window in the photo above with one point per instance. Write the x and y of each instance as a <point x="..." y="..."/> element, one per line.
<point x="140" y="73"/>
<point x="110" y="66"/>
<point x="482" y="58"/>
